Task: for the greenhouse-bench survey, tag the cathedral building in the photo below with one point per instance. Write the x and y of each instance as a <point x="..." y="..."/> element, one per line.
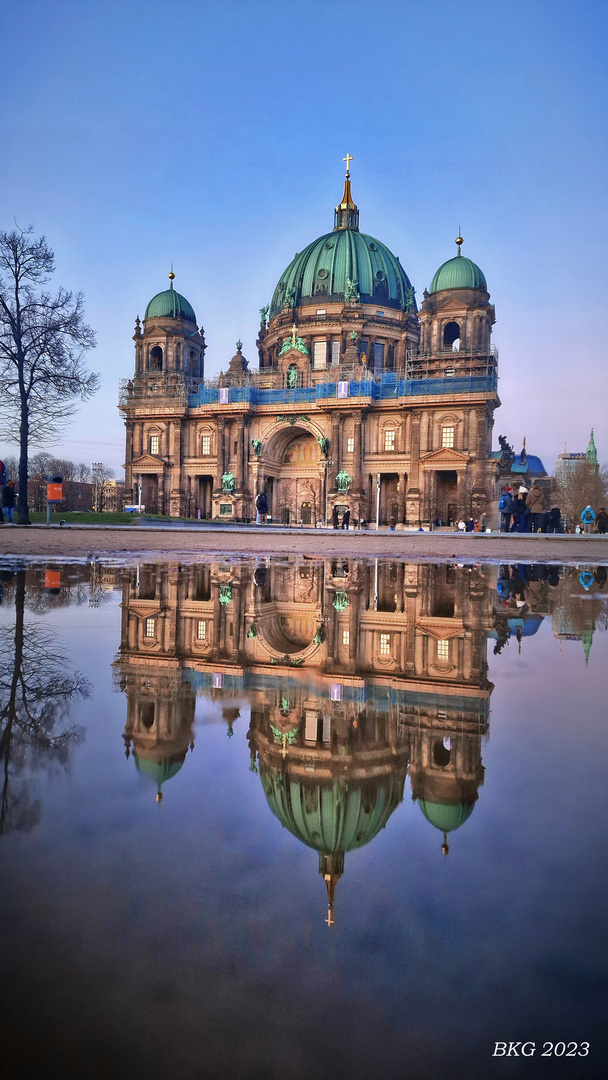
<point x="360" y="397"/>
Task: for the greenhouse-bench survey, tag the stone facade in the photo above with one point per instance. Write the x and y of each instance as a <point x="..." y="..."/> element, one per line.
<point x="399" y="402"/>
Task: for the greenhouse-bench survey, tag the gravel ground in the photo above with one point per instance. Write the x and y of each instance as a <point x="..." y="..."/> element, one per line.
<point x="86" y="541"/>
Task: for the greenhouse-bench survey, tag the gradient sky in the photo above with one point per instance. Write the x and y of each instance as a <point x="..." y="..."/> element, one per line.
<point x="211" y="135"/>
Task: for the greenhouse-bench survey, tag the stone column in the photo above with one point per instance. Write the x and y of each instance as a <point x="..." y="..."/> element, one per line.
<point x="402" y="498"/>
<point x="336" y="432"/>
<point x="240" y="461"/>
<point x="221" y="439"/>
<point x="413" y="492"/>
<point x="359" y="451"/>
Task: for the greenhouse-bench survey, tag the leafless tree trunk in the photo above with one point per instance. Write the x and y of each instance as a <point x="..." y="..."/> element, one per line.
<point x="43" y="340"/>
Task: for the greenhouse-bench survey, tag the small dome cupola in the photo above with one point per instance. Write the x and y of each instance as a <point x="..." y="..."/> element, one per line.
<point x="458" y="273"/>
<point x="346" y="215"/>
<point x="170" y="304"/>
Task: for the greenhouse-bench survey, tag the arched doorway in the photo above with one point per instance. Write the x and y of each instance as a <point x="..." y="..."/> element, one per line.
<point x="295" y="491"/>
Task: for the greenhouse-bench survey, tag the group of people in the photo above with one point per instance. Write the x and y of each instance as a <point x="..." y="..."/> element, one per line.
<point x="527" y="511"/>
<point x="335" y="518"/>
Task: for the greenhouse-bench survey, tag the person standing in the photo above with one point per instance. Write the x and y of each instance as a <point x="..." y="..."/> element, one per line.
<point x="505" y="506"/>
<point x="8" y="499"/>
<point x="535" y="502"/>
<point x="602" y="520"/>
<point x="587" y="518"/>
<point x="346" y="518"/>
<point x="335" y="517"/>
<point x="392" y="521"/>
<point x="261" y="508"/>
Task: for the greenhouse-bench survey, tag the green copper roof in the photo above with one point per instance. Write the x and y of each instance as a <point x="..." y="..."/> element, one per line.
<point x="159" y="771"/>
<point x="446" y="817"/>
<point x="458" y="273"/>
<point x="170" y="304"/>
<point x="591" y="452"/>
<point x="340" y="261"/>
<point x="332" y="817"/>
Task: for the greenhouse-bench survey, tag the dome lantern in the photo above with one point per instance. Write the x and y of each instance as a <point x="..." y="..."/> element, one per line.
<point x="170" y="304"/>
<point x="346" y="215"/>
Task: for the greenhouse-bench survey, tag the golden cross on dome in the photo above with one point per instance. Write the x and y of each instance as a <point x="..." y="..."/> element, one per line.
<point x="294" y="334"/>
<point x="348" y="159"/>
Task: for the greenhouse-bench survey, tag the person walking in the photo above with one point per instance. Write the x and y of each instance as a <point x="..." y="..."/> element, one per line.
<point x="587" y="518"/>
<point x="8" y="499"/>
<point x="392" y="521"/>
<point x="602" y="520"/>
<point x="335" y="517"/>
<point x="535" y="502"/>
<point x="261" y="508"/>
<point x="346" y="518"/>
<point x="505" y="506"/>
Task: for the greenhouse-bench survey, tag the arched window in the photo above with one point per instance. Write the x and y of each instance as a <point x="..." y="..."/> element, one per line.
<point x="156" y="358"/>
<point x="451" y="336"/>
<point x="441" y="754"/>
<point x="192" y="362"/>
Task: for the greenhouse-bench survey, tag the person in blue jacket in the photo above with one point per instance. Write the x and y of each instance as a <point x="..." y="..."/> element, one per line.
<point x="587" y="518"/>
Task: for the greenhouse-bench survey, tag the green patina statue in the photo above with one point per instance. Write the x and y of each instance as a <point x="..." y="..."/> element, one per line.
<point x="343" y="480"/>
<point x="228" y="481"/>
<point x="292" y="377"/>
<point x="324" y="444"/>
<point x="340" y="601"/>
<point x="351" y="292"/>
<point x="226" y="594"/>
<point x="263" y="313"/>
<point x="409" y="299"/>
<point x="257" y="446"/>
<point x="294" y="342"/>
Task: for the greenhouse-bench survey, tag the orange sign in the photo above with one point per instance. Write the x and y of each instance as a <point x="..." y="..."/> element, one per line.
<point x="54" y="492"/>
<point x="52" y="579"/>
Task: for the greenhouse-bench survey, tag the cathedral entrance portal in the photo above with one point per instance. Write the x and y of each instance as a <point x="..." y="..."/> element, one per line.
<point x="295" y="491"/>
<point x="446" y="497"/>
<point x="149" y="493"/>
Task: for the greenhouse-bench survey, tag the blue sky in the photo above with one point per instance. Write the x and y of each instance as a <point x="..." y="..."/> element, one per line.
<point x="211" y="135"/>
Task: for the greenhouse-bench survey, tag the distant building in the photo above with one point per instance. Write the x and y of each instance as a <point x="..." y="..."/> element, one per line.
<point x="567" y="462"/>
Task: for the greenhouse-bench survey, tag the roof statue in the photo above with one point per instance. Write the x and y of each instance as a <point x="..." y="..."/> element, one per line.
<point x="294" y="342"/>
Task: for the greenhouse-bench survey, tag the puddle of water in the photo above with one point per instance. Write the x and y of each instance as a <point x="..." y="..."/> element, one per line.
<point x="323" y="817"/>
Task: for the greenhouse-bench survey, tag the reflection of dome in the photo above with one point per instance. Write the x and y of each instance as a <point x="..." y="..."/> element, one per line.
<point x="446" y="817"/>
<point x="332" y="817"/>
<point x="159" y="771"/>
<point x="458" y="273"/>
<point x="170" y="304"/>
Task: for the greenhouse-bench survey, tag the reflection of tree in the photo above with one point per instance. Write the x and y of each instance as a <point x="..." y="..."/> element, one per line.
<point x="36" y="693"/>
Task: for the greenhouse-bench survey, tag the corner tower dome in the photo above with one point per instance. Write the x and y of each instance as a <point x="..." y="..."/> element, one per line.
<point x="458" y="273"/>
<point x="170" y="304"/>
<point x="344" y="265"/>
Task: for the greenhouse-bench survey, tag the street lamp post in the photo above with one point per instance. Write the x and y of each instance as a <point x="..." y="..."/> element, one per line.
<point x="97" y="467"/>
<point x="328" y="464"/>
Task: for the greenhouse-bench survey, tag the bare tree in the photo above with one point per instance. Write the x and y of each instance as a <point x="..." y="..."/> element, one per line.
<point x="101" y="474"/>
<point x="584" y="485"/>
<point x="43" y="341"/>
<point x="36" y="693"/>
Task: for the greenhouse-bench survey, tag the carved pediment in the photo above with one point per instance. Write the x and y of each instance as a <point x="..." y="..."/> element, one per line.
<point x="147" y="460"/>
<point x="445" y="458"/>
<point x="145" y="609"/>
<point x="440" y="629"/>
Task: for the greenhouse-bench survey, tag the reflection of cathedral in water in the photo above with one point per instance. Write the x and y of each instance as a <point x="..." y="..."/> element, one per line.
<point x="356" y="674"/>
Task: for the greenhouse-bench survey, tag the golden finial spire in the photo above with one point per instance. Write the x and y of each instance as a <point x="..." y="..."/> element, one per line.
<point x="171" y="276"/>
<point x="159" y="796"/>
<point x="445" y="846"/>
<point x="347" y="213"/>
<point x="294" y="334"/>
<point x="459" y="241"/>
<point x="348" y="159"/>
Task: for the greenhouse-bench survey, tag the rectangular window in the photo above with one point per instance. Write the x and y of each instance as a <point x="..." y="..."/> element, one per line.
<point x="206" y="444"/>
<point x="443" y="651"/>
<point x="385" y="644"/>
<point x="155" y="444"/>
<point x="321" y="312"/>
<point x="150" y="627"/>
<point x="326" y="729"/>
<point x="350" y="444"/>
<point x="378" y="355"/>
<point x="346" y="637"/>
<point x="450" y="372"/>
<point x="379" y="314"/>
<point x="389" y="439"/>
<point x="447" y="436"/>
<point x="201" y="630"/>
<point x="335" y="353"/>
<point x="310" y="726"/>
<point x="319" y="355"/>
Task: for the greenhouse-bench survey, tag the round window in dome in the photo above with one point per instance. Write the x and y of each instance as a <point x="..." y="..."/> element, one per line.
<point x="322" y="273"/>
<point x="372" y="246"/>
<point x="329" y="245"/>
<point x="379" y="275"/>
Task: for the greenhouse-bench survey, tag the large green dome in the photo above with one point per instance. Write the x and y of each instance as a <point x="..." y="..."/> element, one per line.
<point x="458" y="273"/>
<point x="170" y="304"/>
<point x="320" y="272"/>
<point x="332" y="817"/>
